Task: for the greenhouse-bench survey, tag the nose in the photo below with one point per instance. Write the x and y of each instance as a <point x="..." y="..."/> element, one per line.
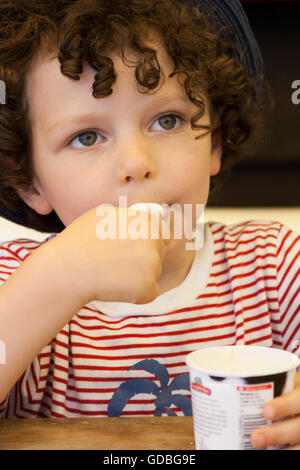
<point x="135" y="159"/>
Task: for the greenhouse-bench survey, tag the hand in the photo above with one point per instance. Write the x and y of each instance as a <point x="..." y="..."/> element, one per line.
<point x="284" y="433"/>
<point x="117" y="270"/>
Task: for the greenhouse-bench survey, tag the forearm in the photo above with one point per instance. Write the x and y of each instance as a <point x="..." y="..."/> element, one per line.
<point x="35" y="303"/>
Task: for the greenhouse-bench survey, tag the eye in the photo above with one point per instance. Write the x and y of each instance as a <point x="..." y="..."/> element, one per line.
<point x="168" y="121"/>
<point x="87" y="138"/>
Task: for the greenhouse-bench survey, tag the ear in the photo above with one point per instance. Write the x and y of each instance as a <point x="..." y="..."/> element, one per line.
<point x="35" y="198"/>
<point x="216" y="152"/>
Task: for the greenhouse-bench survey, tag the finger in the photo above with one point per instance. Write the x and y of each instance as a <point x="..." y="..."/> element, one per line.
<point x="161" y="250"/>
<point x="297" y="447"/>
<point x="283" y="406"/>
<point x="159" y="231"/>
<point x="297" y="379"/>
<point x="158" y="225"/>
<point x="281" y="433"/>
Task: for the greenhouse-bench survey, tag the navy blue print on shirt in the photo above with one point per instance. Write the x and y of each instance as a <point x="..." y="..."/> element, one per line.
<point x="165" y="397"/>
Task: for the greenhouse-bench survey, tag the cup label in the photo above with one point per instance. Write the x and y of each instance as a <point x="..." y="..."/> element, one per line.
<point x="225" y="414"/>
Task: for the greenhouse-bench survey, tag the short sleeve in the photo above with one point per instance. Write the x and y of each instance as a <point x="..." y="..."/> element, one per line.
<point x="16" y="403"/>
<point x="288" y="281"/>
<point x="9" y="260"/>
<point x="25" y="398"/>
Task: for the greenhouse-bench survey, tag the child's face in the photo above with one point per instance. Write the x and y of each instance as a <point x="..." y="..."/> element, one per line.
<point x="124" y="149"/>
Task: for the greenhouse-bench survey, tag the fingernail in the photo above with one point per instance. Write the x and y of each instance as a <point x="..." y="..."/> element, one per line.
<point x="259" y="440"/>
<point x="269" y="412"/>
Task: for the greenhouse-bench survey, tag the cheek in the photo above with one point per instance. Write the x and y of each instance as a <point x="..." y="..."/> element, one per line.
<point x="67" y="194"/>
<point x="193" y="175"/>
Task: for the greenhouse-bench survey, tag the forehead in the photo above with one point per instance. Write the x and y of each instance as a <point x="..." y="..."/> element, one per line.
<point x="48" y="91"/>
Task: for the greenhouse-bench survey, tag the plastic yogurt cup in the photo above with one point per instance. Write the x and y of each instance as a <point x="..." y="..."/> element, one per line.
<point x="230" y="386"/>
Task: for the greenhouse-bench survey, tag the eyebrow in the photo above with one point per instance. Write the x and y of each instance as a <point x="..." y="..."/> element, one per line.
<point x="68" y="121"/>
<point x="72" y="120"/>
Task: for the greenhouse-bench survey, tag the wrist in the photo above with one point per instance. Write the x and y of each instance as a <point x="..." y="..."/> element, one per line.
<point x="63" y="273"/>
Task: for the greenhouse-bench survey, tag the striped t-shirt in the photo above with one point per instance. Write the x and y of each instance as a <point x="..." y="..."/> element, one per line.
<point x="121" y="359"/>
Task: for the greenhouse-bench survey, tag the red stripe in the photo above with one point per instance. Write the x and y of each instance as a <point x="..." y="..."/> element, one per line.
<point x="248" y="223"/>
<point x="251" y="284"/>
<point x="251" y="330"/>
<point x="193" y="330"/>
<point x="288" y="270"/>
<point x="245" y="263"/>
<point x="292" y="338"/>
<point x="96" y="380"/>
<point x="246" y="242"/>
<point x="257" y="328"/>
<point x="281" y="300"/>
<point x="256" y="317"/>
<point x="13" y="253"/>
<point x="122" y="357"/>
<point x="194" y="308"/>
<point x="3" y="258"/>
<point x="151" y="335"/>
<point x="249" y="307"/>
<point x="241" y="275"/>
<point x="178" y="321"/>
<point x="281" y="247"/>
<point x="111" y="368"/>
<point x="258" y="340"/>
<point x="242" y="253"/>
<point x="153" y="345"/>
<point x="292" y="318"/>
<point x="256" y="232"/>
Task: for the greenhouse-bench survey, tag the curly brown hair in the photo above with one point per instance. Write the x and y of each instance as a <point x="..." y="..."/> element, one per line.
<point x="74" y="31"/>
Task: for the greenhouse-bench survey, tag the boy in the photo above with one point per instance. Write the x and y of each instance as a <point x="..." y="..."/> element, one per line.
<point x="97" y="327"/>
